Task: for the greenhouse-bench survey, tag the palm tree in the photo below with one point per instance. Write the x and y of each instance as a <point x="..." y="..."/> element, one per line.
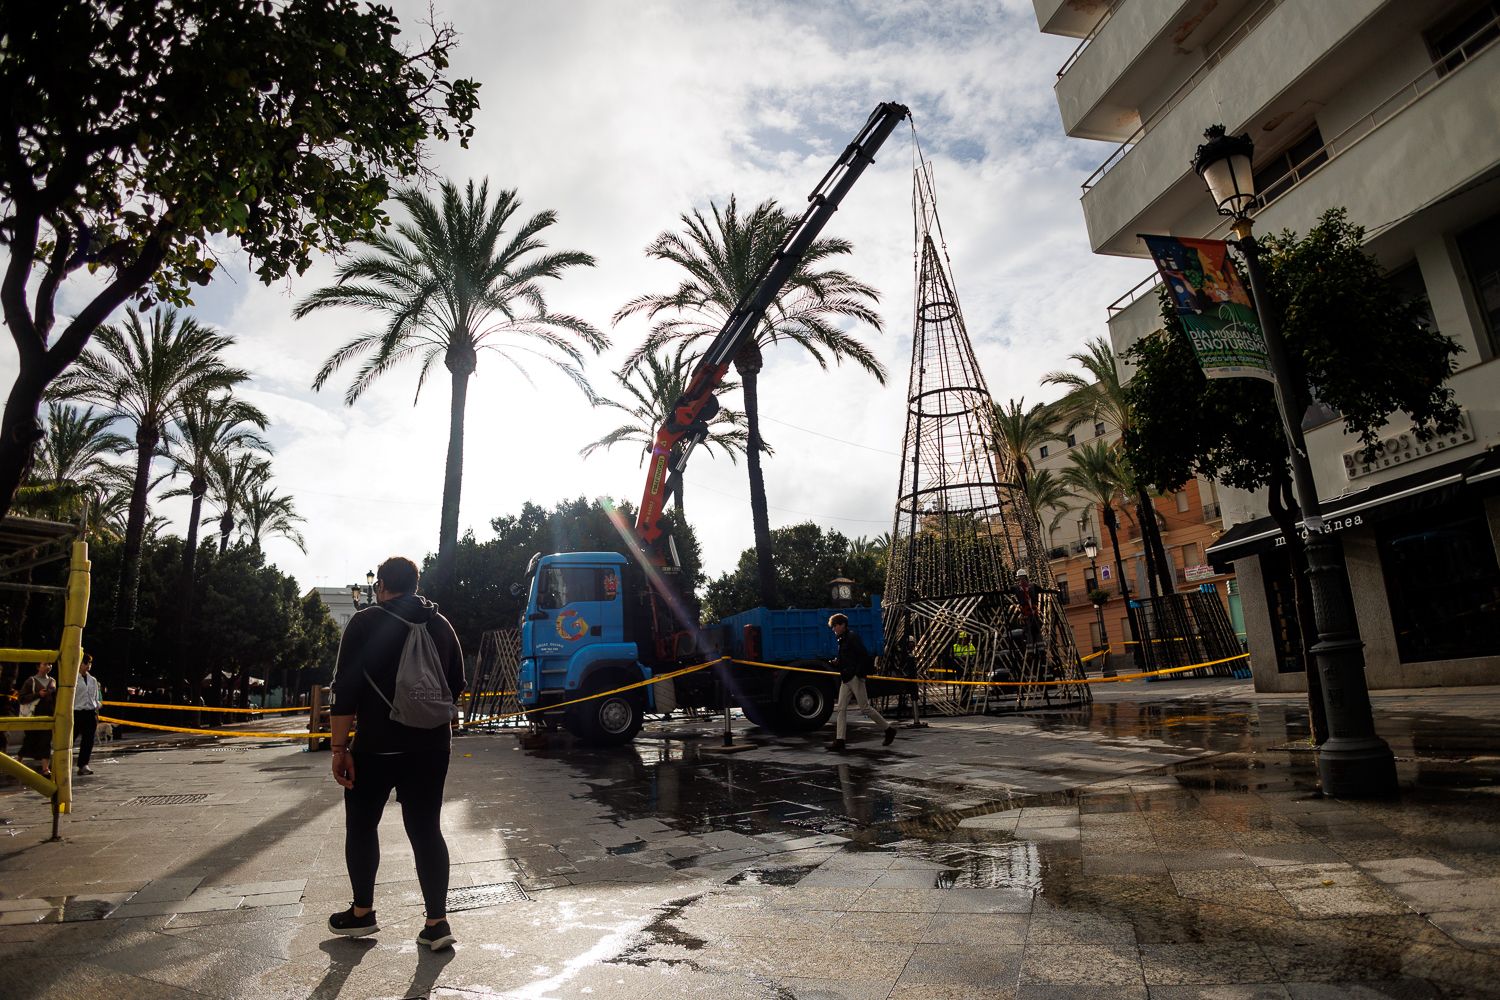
<point x="208" y="426"/>
<point x="1045" y="492"/>
<point x="1099" y="394"/>
<point x="451" y="283"/>
<point x="1097" y="475"/>
<point x="144" y="372"/>
<point x="724" y="259"/>
<point x="70" y="466"/>
<point x="1020" y="431"/>
<point x="268" y="513"/>
<point x="655" y="385"/>
<point x="230" y="480"/>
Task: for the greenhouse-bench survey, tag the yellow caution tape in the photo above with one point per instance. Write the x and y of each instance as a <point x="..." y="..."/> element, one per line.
<point x="602" y="694"/>
<point x="1036" y="683"/>
<point x="214" y="732"/>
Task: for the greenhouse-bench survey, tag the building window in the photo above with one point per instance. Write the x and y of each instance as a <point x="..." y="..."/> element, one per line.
<point x="1443" y="583"/>
<point x="1042" y="451"/>
<point x="1480" y="249"/>
<point x="1278" y="173"/>
<point x="1455" y="40"/>
<point x="1062" y="589"/>
<point x="1182" y="501"/>
<point x="1090" y="583"/>
<point x="1072" y="440"/>
<point x="1098" y="428"/>
<point x="1192" y="555"/>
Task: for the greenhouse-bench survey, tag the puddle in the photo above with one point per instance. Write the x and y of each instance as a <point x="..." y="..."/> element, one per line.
<point x="789" y="875"/>
<point x="661" y="933"/>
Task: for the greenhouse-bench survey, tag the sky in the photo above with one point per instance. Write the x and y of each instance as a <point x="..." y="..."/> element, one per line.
<point x="620" y="117"/>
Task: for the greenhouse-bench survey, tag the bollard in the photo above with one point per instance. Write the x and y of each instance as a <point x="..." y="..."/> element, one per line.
<point x="314" y="716"/>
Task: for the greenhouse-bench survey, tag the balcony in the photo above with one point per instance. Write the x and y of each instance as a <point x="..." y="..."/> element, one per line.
<point x="1211" y="512"/>
<point x="1075" y="18"/>
<point x="1150" y="187"/>
<point x="1138" y="51"/>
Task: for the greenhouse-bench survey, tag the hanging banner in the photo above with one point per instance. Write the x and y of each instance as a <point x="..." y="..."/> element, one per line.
<point x="1214" y="306"/>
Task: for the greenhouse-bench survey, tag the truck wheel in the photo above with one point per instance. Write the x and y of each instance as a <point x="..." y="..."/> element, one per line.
<point x="803" y="703"/>
<point x="609" y="721"/>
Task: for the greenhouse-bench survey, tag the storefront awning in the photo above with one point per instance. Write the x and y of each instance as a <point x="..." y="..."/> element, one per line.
<point x="1418" y="491"/>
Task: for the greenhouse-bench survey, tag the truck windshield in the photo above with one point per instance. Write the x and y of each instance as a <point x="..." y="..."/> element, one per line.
<point x="564" y="585"/>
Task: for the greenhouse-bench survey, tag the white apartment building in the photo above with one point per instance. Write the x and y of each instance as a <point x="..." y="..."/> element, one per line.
<point x="1391" y="109"/>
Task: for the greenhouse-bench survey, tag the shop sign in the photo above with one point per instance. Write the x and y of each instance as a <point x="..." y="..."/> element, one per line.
<point x="1399" y="447"/>
<point x="1193" y="574"/>
<point x="1330" y="526"/>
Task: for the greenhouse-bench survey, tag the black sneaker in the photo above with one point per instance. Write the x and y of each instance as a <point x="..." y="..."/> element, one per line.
<point x="890" y="736"/>
<point x="437" y="937"/>
<point x="347" y="924"/>
<point x="84" y="769"/>
<point x="837" y="746"/>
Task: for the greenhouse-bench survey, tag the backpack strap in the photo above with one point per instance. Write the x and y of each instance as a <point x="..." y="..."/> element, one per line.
<point x="370" y="679"/>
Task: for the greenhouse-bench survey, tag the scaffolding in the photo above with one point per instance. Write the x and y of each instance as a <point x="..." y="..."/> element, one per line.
<point x="969" y="593"/>
<point x="27" y="544"/>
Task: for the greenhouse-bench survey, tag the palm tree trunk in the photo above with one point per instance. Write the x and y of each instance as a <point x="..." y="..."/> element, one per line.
<point x="1151" y="525"/>
<point x="1147" y="550"/>
<point x="1112" y="524"/>
<point x="146" y="439"/>
<point x="461" y="366"/>
<point x="185" y="585"/>
<point x="748" y="365"/>
<point x="226" y="525"/>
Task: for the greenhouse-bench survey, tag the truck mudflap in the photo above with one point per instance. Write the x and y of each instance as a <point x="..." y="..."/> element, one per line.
<point x="663" y="695"/>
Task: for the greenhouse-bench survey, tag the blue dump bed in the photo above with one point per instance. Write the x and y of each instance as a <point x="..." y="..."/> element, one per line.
<point x="800" y="633"/>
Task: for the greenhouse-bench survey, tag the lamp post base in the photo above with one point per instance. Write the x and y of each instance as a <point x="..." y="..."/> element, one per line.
<point x="1357" y="768"/>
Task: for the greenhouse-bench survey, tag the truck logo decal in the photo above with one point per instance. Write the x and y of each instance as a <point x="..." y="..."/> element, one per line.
<point x="570" y="626"/>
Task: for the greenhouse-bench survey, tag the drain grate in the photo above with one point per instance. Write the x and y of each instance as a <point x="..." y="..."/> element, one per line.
<point x="474" y="897"/>
<point x="167" y="800"/>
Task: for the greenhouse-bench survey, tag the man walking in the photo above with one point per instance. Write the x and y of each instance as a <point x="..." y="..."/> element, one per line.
<point x="387" y="755"/>
<point x="853" y="663"/>
<point x="87" y="700"/>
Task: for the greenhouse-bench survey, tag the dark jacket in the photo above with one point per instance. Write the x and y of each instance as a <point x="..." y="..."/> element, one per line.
<point x="854" y="659"/>
<point x="371" y="647"/>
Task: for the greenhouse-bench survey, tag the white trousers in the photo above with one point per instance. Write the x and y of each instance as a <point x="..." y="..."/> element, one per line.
<point x="854" y="688"/>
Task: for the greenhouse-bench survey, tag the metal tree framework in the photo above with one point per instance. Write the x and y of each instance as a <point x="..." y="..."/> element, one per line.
<point x="963" y="525"/>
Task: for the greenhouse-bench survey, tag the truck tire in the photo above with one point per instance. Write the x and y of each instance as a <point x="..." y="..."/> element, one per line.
<point x="609" y="721"/>
<point x="804" y="701"/>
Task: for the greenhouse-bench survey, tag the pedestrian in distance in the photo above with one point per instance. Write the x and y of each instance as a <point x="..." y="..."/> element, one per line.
<point x="853" y="664"/>
<point x="87" y="700"/>
<point x="39" y="697"/>
<point x="398" y="677"/>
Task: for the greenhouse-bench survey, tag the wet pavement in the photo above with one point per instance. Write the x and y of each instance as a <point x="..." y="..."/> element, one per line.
<point x="1168" y="841"/>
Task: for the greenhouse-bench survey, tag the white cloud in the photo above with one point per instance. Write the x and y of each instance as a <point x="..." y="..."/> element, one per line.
<point x="621" y="117"/>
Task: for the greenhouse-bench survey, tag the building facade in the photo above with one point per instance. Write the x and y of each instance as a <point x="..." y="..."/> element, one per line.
<point x="1189" y="520"/>
<point x="339" y="601"/>
<point x="1390" y="109"/>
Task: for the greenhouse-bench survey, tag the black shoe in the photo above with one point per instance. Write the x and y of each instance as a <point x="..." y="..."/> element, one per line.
<point x="347" y="924"/>
<point x="890" y="736"/>
<point x="837" y="746"/>
<point x="437" y="937"/>
<point x="84" y="769"/>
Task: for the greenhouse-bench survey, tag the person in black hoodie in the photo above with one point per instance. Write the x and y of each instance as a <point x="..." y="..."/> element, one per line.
<point x="386" y="755"/>
<point x="853" y="664"/>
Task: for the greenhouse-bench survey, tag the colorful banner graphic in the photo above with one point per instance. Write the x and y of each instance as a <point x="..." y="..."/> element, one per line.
<point x="1214" y="306"/>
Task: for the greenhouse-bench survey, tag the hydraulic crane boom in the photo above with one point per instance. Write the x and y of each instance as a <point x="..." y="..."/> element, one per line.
<point x="688" y="424"/>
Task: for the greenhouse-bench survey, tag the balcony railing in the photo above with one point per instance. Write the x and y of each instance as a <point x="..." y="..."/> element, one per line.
<point x="1057" y="552"/>
<point x="1148" y="283"/>
<point x="1186" y="87"/>
<point x="1211" y="512"/>
<point x="1093" y="33"/>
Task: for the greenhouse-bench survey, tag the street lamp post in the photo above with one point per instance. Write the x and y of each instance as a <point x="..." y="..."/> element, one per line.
<point x="1091" y="549"/>
<point x="363" y="599"/>
<point x="1353" y="762"/>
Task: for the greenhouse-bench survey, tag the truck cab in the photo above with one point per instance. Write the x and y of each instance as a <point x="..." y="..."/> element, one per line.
<point x="579" y="639"/>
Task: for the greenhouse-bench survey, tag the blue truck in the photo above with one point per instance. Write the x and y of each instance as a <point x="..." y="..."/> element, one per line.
<point x="587" y="632"/>
<point x="597" y="622"/>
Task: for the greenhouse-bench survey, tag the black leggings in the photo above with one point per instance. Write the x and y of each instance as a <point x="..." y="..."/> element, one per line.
<point x="417" y="778"/>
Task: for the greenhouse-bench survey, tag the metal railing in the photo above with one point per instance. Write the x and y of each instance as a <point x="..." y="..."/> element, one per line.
<point x="1149" y="282"/>
<point x="1093" y="33"/>
<point x="1211" y="512"/>
<point x="1186" y="87"/>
